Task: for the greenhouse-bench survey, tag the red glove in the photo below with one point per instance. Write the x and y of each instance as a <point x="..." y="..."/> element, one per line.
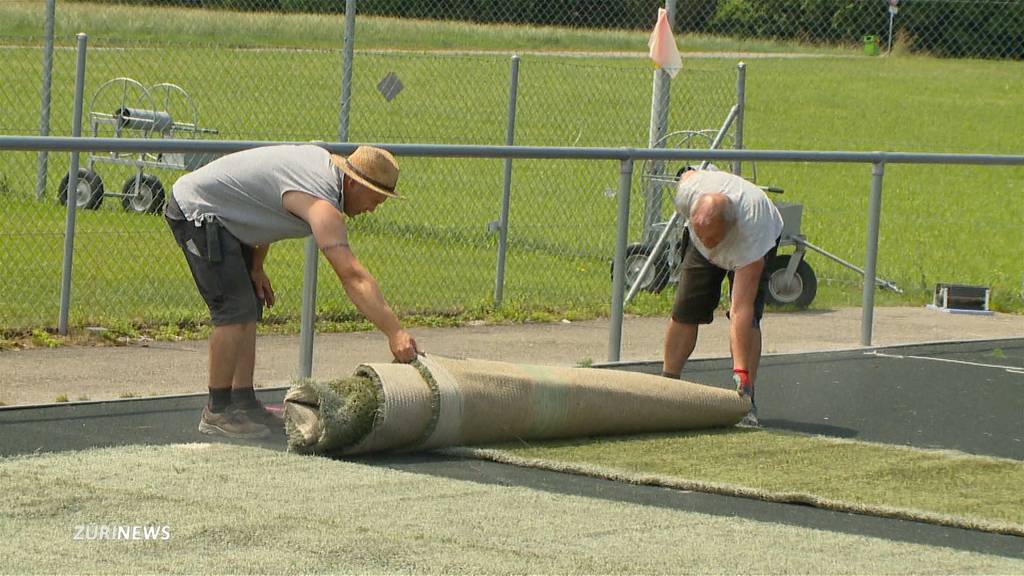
<point x="741" y="378"/>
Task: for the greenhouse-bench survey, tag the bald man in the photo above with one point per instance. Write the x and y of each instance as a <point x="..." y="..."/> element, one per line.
<point x="733" y="231"/>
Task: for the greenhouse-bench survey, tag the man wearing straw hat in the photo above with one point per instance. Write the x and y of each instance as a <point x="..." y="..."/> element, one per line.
<point x="733" y="231"/>
<point x="224" y="217"/>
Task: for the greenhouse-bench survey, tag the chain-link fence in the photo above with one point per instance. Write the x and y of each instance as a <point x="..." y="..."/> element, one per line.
<point x="127" y="269"/>
<point x="249" y="73"/>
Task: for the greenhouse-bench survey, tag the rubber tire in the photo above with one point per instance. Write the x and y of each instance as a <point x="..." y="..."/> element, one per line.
<point x="92" y="200"/>
<point x="151" y="199"/>
<point x="636" y="255"/>
<point x="805" y="279"/>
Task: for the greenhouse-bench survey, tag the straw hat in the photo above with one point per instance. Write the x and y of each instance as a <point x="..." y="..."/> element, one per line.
<point x="372" y="167"/>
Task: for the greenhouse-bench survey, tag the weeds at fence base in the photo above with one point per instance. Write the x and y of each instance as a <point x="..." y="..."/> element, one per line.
<point x="124" y="333"/>
<point x="43" y="339"/>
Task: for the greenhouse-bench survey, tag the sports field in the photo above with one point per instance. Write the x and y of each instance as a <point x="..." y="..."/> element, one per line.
<point x="368" y="519"/>
<point x="434" y="255"/>
<point x="923" y="480"/>
<point x="916" y="474"/>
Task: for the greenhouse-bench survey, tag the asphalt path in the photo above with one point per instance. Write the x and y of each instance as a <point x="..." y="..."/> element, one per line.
<point x="959" y="396"/>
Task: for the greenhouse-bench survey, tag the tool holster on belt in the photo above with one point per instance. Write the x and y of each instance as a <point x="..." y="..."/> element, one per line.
<point x="212" y="226"/>
<point x="684" y="243"/>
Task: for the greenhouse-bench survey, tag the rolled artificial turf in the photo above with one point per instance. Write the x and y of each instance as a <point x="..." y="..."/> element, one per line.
<point x="437" y="402"/>
<point x="440" y="402"/>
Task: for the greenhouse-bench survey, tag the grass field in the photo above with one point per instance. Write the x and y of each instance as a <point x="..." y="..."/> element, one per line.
<point x="433" y="255"/>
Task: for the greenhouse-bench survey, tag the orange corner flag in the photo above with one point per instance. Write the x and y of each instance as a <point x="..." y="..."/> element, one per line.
<point x="663" y="50"/>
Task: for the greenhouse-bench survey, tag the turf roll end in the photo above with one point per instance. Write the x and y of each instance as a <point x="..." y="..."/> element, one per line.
<point x="330" y="416"/>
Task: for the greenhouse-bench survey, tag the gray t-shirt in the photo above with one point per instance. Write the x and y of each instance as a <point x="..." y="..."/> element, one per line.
<point x="758" y="222"/>
<point x="244" y="191"/>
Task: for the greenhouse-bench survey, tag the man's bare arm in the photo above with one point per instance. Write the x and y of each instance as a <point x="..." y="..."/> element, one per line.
<point x="260" y="280"/>
<point x="741" y="313"/>
<point x="331" y="236"/>
<point x="259" y="256"/>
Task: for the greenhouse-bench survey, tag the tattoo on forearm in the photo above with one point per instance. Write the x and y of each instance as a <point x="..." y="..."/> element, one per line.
<point x="334" y="245"/>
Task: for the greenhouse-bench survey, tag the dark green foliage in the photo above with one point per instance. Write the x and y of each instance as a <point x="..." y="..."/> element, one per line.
<point x="942" y="28"/>
<point x="963" y="30"/>
<point x="630" y="14"/>
<point x="951" y="29"/>
<point x="310" y="6"/>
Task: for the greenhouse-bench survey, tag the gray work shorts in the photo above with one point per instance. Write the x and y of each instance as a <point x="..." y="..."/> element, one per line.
<point x="220" y="266"/>
<point x="700" y="287"/>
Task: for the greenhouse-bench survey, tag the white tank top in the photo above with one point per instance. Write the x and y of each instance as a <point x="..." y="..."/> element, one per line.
<point x="758" y="222"/>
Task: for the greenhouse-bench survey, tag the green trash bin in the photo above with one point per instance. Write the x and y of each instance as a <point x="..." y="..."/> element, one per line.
<point x="871" y="45"/>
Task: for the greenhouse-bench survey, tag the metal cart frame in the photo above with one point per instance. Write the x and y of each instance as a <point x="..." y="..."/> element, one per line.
<point x="653" y="264"/>
<point x="140" y="113"/>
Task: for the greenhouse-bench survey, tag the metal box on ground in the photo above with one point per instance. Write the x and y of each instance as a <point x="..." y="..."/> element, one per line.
<point x="961" y="298"/>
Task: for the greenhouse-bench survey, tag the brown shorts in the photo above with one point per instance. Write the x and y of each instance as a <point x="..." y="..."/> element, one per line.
<point x="220" y="266"/>
<point x="700" y="287"/>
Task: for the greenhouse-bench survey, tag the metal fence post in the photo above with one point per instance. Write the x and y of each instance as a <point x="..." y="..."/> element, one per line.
<point x="348" y="48"/>
<point x="661" y="94"/>
<point x="308" y="312"/>
<point x="72" y="197"/>
<point x="44" y="105"/>
<point x="506" y="192"/>
<point x="741" y="103"/>
<point x="892" y="16"/>
<point x="311" y="255"/>
<point x="619" y="266"/>
<point x="874" y="218"/>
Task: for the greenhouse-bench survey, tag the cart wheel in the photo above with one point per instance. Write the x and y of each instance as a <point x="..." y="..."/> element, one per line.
<point x="657" y="276"/>
<point x="150" y="197"/>
<point x="89" y="194"/>
<point x="801" y="290"/>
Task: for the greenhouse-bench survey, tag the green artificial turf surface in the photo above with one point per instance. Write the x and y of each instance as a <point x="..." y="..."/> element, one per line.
<point x="769" y="464"/>
<point x="248" y="510"/>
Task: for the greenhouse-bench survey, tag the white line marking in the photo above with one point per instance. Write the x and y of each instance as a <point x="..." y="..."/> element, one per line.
<point x="883" y="354"/>
<point x="1010" y="369"/>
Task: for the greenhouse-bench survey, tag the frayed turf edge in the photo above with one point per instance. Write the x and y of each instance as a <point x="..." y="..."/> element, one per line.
<point x="348" y="408"/>
<point x="740" y="491"/>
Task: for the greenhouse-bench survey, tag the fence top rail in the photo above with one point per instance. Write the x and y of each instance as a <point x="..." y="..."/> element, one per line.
<point x="136" y="145"/>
